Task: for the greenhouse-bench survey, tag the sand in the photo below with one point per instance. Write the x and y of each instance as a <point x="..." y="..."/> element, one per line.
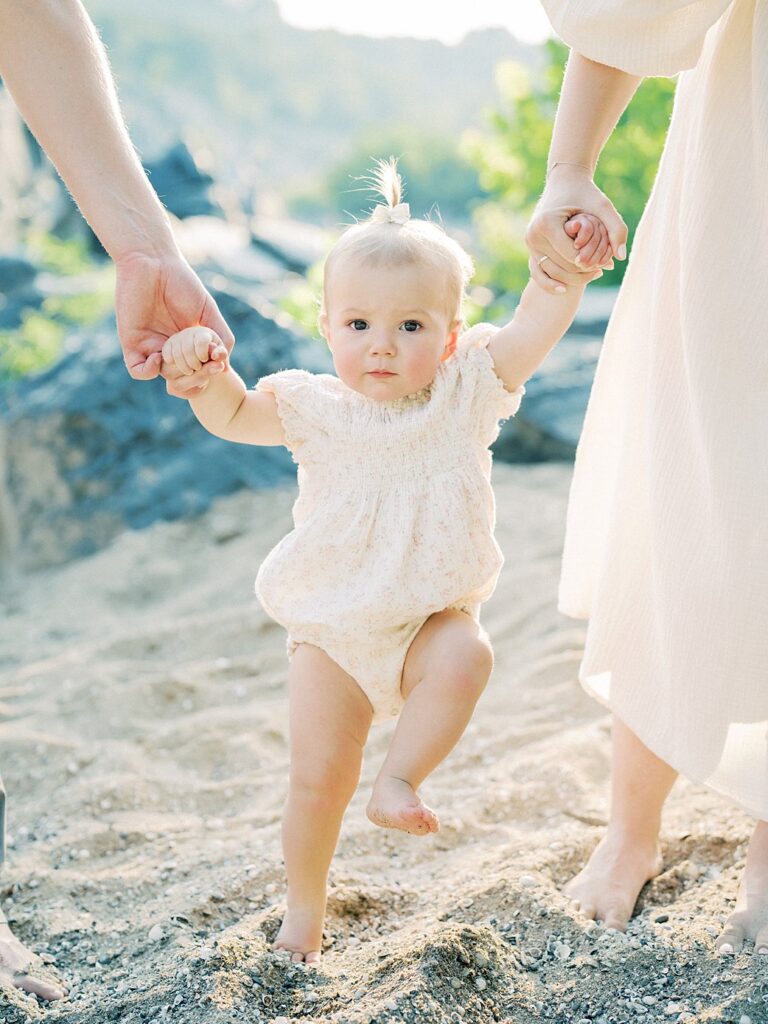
<point x="143" y="742"/>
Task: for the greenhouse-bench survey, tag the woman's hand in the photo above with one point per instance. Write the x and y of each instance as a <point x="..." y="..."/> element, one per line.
<point x="553" y="262"/>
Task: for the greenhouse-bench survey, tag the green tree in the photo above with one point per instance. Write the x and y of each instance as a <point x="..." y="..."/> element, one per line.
<point x="439" y="180"/>
<point x="511" y="161"/>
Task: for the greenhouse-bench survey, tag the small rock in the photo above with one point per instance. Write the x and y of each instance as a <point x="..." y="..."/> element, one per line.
<point x="282" y="1020"/>
<point x="313" y="997"/>
<point x="481" y="984"/>
<point x="455" y="983"/>
<point x="661" y="918"/>
<point x="649" y="1000"/>
<point x="561" y="951"/>
<point x="156" y="933"/>
<point x="527" y="881"/>
<point x="744" y="1019"/>
<point x="391" y="1004"/>
<point x="673" y="1009"/>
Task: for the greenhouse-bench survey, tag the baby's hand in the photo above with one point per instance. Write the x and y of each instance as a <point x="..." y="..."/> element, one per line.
<point x="590" y="239"/>
<point x="190" y="358"/>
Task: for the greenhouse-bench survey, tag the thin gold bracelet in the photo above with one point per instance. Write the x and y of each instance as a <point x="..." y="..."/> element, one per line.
<point x="568" y="163"/>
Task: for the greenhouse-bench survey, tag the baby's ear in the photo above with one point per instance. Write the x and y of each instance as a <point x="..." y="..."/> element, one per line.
<point x="322" y="323"/>
<point x="450" y="344"/>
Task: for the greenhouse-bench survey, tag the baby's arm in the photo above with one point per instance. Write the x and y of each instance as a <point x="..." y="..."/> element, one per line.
<point x="541" y="318"/>
<point x="224" y="406"/>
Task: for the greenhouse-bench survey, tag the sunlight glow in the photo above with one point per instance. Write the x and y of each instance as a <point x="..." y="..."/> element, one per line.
<point x="422" y="19"/>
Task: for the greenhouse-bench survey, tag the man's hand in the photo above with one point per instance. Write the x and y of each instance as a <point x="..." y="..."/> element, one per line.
<point x="155" y="298"/>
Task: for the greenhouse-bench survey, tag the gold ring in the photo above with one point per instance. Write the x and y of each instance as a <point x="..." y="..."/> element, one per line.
<point x="542" y="260"/>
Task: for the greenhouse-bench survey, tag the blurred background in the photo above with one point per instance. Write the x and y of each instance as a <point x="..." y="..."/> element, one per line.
<point x="256" y="120"/>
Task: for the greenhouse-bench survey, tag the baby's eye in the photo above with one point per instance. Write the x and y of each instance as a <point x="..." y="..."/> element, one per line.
<point x="358" y="325"/>
<point x="411" y="326"/>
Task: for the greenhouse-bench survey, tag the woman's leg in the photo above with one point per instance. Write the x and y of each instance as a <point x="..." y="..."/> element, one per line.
<point x="329" y="721"/>
<point x="628" y="855"/>
<point x="445" y="671"/>
<point x="750" y="918"/>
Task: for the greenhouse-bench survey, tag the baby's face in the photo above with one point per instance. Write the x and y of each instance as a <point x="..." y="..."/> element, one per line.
<point x="388" y="328"/>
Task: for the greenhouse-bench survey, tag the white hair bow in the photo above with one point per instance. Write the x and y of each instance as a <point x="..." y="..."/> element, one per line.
<point x="399" y="214"/>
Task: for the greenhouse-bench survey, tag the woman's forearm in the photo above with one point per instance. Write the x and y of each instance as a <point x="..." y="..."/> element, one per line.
<point x="592" y="99"/>
<point x="55" y="67"/>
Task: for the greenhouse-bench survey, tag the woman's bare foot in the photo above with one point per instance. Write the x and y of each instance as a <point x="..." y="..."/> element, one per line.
<point x="607" y="887"/>
<point x="301" y="933"/>
<point x="394" y="804"/>
<point x="750" y="918"/>
<point x="16" y="962"/>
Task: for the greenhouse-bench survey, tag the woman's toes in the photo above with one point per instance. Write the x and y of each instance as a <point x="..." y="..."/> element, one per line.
<point x="761" y="942"/>
<point x="730" y="940"/>
<point x="313" y="957"/>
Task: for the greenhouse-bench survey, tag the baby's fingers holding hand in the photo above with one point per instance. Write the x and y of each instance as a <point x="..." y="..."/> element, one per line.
<point x="581" y="229"/>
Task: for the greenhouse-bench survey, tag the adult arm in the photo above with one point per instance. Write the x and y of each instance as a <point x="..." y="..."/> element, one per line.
<point x="615" y="43"/>
<point x="55" y="67"/>
<point x="593" y="98"/>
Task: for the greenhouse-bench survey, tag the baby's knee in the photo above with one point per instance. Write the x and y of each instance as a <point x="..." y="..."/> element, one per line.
<point x="469" y="664"/>
<point x="322" y="781"/>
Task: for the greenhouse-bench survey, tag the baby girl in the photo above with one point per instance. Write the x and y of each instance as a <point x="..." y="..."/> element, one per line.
<point x="379" y="585"/>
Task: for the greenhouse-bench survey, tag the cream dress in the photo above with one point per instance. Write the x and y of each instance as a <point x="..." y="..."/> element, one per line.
<point x="395" y="515"/>
<point x="666" y="550"/>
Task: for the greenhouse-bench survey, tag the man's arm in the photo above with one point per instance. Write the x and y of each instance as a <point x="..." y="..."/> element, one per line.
<point x="55" y="67"/>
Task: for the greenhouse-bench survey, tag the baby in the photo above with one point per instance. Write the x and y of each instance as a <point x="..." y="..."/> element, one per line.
<point x="379" y="585"/>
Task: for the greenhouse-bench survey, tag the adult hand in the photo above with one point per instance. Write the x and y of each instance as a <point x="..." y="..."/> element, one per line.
<point x="156" y="296"/>
<point x="570" y="190"/>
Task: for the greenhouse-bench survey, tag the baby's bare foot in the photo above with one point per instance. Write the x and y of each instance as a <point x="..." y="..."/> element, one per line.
<point x="750" y="918"/>
<point x="394" y="804"/>
<point x="607" y="887"/>
<point x="17" y="967"/>
<point x="301" y="933"/>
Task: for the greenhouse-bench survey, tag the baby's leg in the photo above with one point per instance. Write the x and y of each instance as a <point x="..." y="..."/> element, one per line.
<point x="329" y="721"/>
<point x="446" y="670"/>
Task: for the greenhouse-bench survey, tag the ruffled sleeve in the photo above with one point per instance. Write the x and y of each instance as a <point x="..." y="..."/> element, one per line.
<point x="641" y="37"/>
<point x="297" y="393"/>
<point x="483" y="399"/>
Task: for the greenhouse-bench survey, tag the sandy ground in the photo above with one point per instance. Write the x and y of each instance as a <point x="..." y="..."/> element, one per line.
<point x="143" y="739"/>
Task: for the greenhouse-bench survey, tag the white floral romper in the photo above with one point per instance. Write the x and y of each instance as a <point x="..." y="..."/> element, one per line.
<point x="395" y="515"/>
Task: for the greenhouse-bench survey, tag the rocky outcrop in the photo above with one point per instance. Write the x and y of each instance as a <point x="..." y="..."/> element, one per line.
<point x="91" y="451"/>
<point x="182" y="186"/>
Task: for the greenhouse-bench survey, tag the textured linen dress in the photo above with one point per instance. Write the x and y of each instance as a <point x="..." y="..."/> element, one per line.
<point x="395" y="515"/>
<point x="667" y="543"/>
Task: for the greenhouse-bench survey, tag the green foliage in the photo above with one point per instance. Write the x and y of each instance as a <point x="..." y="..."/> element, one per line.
<point x="32" y="347"/>
<point x="37" y="343"/>
<point x="302" y="303"/>
<point x="439" y="180"/>
<point x="511" y="161"/>
<point x="59" y="255"/>
<point x="82" y="308"/>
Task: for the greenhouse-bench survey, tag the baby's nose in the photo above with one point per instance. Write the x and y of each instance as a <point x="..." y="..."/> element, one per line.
<point x="382" y="343"/>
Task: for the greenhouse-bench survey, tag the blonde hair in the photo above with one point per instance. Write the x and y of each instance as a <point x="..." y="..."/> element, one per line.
<point x="389" y="237"/>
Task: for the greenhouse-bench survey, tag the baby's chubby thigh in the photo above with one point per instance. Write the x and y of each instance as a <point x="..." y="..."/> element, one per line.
<point x="453" y="650"/>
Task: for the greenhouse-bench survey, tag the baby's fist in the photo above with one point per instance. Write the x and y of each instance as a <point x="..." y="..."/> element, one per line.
<point x="590" y="239"/>
<point x="188" y="350"/>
